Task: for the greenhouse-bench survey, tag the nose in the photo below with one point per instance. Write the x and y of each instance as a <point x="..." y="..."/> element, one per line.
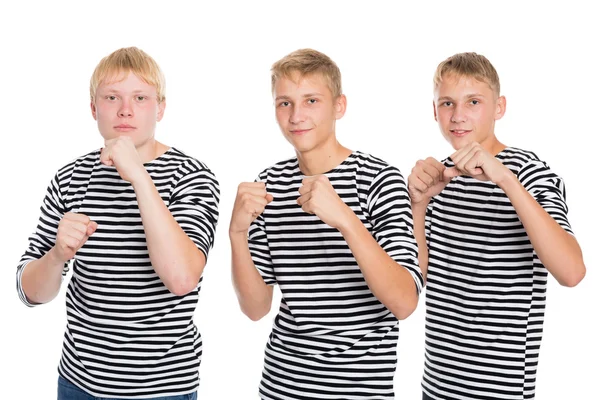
<point x="297" y="115"/>
<point x="125" y="110"/>
<point x="458" y="114"/>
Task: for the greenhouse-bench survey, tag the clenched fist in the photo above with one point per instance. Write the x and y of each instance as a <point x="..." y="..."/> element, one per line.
<point x="73" y="231"/>
<point x="250" y="202"/>
<point x="318" y="197"/>
<point x="122" y="154"/>
<point x="427" y="179"/>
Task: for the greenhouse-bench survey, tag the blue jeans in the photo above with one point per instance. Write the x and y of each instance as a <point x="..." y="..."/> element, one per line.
<point x="68" y="391"/>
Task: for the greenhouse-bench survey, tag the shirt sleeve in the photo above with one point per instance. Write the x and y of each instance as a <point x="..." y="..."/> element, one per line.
<point x="259" y="247"/>
<point x="194" y="205"/>
<point x="44" y="237"/>
<point x="547" y="189"/>
<point x="390" y="212"/>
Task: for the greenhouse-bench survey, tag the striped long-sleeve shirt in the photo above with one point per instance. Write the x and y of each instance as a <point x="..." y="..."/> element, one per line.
<point x="486" y="287"/>
<point x="127" y="335"/>
<point x="332" y="338"/>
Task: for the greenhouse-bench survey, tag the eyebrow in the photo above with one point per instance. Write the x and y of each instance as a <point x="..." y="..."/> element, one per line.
<point x="468" y="96"/>
<point x="116" y="91"/>
<point x="305" y="96"/>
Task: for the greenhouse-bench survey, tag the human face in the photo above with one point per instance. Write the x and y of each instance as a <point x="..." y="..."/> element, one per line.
<point x="466" y="111"/>
<point x="306" y="111"/>
<point x="127" y="107"/>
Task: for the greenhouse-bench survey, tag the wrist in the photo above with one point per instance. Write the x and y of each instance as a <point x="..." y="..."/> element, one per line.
<point x="349" y="222"/>
<point x="507" y="181"/>
<point x="141" y="179"/>
<point x="421" y="206"/>
<point x="236" y="236"/>
<point x="54" y="258"/>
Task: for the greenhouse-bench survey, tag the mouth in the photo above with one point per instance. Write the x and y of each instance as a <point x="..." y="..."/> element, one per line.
<point x="299" y="131"/>
<point x="124" y="128"/>
<point x="460" y="132"/>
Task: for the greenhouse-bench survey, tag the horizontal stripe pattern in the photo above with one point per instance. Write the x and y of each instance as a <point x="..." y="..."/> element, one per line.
<point x="332" y="339"/>
<point x="127" y="335"/>
<point x="486" y="287"/>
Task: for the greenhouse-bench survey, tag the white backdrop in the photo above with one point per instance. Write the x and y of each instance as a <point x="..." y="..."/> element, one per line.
<point x="216" y="57"/>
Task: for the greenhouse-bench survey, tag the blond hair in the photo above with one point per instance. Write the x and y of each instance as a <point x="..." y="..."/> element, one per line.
<point x="469" y="65"/>
<point x="308" y="62"/>
<point x="129" y="59"/>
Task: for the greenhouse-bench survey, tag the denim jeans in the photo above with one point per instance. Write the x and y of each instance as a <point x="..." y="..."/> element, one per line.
<point x="68" y="391"/>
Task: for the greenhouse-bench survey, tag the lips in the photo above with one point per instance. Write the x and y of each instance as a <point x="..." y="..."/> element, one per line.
<point x="459" y="132"/>
<point x="124" y="127"/>
<point x="300" y="131"/>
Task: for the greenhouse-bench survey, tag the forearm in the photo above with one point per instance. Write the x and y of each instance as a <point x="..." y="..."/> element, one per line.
<point x="254" y="295"/>
<point x="174" y="256"/>
<point x="41" y="278"/>
<point x="392" y="284"/>
<point x="557" y="249"/>
<point x="419" y="211"/>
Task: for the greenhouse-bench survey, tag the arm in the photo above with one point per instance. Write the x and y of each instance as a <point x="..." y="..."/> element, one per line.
<point x="427" y="179"/>
<point x="387" y="256"/>
<point x="57" y="238"/>
<point x="178" y="237"/>
<point x="540" y="212"/>
<point x="254" y="295"/>
<point x="558" y="250"/>
<point x="419" y="211"/>
<point x="390" y="282"/>
<point x="251" y="281"/>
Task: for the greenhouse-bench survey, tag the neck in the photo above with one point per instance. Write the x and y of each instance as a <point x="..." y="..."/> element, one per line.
<point x="151" y="150"/>
<point x="323" y="158"/>
<point x="492" y="145"/>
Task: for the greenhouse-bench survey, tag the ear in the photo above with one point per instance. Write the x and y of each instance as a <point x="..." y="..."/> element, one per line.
<point x="434" y="111"/>
<point x="161" y="110"/>
<point x="93" y="107"/>
<point x="500" y="107"/>
<point x="340" y="106"/>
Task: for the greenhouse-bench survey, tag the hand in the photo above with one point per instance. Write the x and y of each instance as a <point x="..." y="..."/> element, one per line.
<point x="474" y="161"/>
<point x="427" y="179"/>
<point x="318" y="197"/>
<point x="250" y="202"/>
<point x="121" y="153"/>
<point x="73" y="231"/>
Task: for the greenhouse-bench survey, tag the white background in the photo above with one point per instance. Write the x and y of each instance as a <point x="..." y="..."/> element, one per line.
<point x="216" y="57"/>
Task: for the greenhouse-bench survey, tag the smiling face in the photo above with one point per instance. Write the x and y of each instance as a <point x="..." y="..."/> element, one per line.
<point x="127" y="106"/>
<point x="306" y="111"/>
<point x="466" y="111"/>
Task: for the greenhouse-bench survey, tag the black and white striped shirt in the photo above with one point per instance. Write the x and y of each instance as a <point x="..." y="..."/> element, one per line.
<point x="127" y="335"/>
<point x="486" y="287"/>
<point x="332" y="339"/>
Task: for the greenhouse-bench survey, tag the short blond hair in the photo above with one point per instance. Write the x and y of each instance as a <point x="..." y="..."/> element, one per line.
<point x="129" y="59"/>
<point x="308" y="62"/>
<point x="470" y="65"/>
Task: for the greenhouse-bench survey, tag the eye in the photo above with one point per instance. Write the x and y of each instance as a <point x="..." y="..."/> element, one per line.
<point x="140" y="98"/>
<point x="312" y="101"/>
<point x="447" y="103"/>
<point x="284" y="104"/>
<point x="111" y="97"/>
<point x="474" y="102"/>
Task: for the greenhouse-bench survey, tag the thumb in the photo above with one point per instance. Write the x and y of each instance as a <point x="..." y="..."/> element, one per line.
<point x="269" y="198"/>
<point x="91" y="228"/>
<point x="450" y="173"/>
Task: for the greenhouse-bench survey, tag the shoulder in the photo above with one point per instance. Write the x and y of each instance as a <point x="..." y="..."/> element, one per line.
<point x="516" y="159"/>
<point x="372" y="167"/>
<point x="281" y="169"/>
<point x="81" y="165"/>
<point x="184" y="164"/>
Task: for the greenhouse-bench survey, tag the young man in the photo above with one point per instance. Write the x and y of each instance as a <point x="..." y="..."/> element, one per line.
<point x="138" y="219"/>
<point x="490" y="221"/>
<point x="333" y="228"/>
